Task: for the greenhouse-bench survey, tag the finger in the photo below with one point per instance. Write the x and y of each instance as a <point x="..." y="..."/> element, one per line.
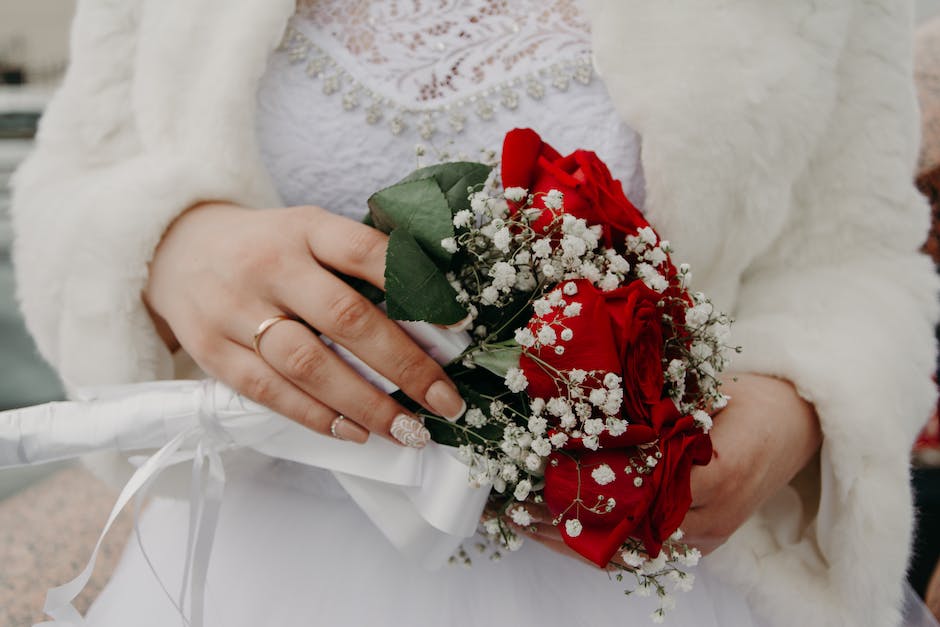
<point x="338" y="311"/>
<point x="251" y="376"/>
<point x="349" y="247"/>
<point x="296" y="353"/>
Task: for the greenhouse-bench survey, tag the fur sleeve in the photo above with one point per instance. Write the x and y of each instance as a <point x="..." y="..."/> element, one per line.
<point x="155" y="114"/>
<point x="779" y="146"/>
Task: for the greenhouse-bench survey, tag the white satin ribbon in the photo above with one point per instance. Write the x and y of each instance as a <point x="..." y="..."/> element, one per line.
<point x="420" y="499"/>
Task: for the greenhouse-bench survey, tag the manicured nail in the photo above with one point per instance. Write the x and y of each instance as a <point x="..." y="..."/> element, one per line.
<point x="410" y="432"/>
<point x="445" y="400"/>
<point x="346" y="429"/>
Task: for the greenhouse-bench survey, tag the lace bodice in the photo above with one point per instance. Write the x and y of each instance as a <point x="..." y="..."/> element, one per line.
<point x="356" y="85"/>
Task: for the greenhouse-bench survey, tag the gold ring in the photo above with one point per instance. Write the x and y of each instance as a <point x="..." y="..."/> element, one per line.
<point x="262" y="328"/>
<point x="333" y="424"/>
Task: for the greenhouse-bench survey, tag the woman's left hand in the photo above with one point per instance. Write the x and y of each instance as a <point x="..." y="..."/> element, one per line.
<point x="762" y="439"/>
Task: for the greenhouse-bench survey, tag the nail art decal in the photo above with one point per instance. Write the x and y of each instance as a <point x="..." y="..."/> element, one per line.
<point x="410" y="432"/>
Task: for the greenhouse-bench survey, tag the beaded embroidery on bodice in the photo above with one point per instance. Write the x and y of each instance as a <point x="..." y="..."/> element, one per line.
<point x="355" y="85"/>
<point x="432" y="52"/>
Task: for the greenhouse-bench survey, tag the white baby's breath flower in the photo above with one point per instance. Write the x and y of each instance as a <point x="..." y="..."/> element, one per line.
<point x="656" y="256"/>
<point x="491" y="526"/>
<point x="647" y="235"/>
<point x="631" y="558"/>
<point x="533" y="462"/>
<point x="521" y="516"/>
<point x="618" y="263"/>
<point x="478" y="201"/>
<point x="542" y="307"/>
<point x="524" y="337"/>
<point x="616" y="426"/>
<point x="654" y="565"/>
<point x="609" y="282"/>
<point x="449" y="244"/>
<point x="515" y="194"/>
<point x="612" y="381"/>
<point x="509" y="472"/>
<point x="537" y="425"/>
<point x="558" y="406"/>
<point x="549" y="270"/>
<point x="547" y="335"/>
<point x="603" y="474"/>
<point x="567" y="334"/>
<point x="573" y="246"/>
<point x="597" y="397"/>
<point x="504" y="275"/>
<point x="591" y="442"/>
<point x="514" y="542"/>
<point x="554" y="199"/>
<point x="573" y="527"/>
<point x="690" y="558"/>
<point x="677" y="535"/>
<point x="475" y="417"/>
<point x="558" y="439"/>
<point x="462" y="218"/>
<point x="594" y="426"/>
<point x="522" y="490"/>
<point x="577" y="375"/>
<point x="542" y="248"/>
<point x="590" y="272"/>
<point x="703" y="420"/>
<point x="537" y="405"/>
<point x="489" y="295"/>
<point x="572" y="310"/>
<point x="651" y="277"/>
<point x="541" y="446"/>
<point x="501" y="239"/>
<point x="516" y="380"/>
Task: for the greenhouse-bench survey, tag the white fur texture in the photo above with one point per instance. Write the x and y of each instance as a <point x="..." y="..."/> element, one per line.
<point x="779" y="144"/>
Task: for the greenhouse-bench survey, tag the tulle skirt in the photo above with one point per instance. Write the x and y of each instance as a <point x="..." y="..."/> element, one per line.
<point x="292" y="549"/>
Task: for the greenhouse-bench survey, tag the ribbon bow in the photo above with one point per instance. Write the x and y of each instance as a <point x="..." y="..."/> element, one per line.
<point x="421" y="500"/>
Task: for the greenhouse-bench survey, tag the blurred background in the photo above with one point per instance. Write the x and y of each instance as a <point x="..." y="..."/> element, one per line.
<point x="33" y="57"/>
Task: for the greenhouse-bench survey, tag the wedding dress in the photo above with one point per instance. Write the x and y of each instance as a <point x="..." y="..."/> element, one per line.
<point x="390" y="81"/>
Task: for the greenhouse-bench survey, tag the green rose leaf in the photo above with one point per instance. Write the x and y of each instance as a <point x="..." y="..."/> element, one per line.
<point x="498" y="359"/>
<point x="415" y="288"/>
<point x="418" y="207"/>
<point x="454" y="178"/>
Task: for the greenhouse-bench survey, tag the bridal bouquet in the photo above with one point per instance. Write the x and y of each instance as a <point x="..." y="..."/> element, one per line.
<point x="592" y="369"/>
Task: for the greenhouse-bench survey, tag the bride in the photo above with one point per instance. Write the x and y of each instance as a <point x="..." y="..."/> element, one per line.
<point x="778" y="143"/>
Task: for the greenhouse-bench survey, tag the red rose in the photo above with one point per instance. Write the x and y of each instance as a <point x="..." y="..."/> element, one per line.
<point x="682" y="445"/>
<point x="619" y="331"/>
<point x="579" y="485"/>
<point x="590" y="192"/>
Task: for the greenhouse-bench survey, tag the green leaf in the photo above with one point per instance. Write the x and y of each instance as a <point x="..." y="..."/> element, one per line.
<point x="454" y="178"/>
<point x="415" y="288"/>
<point x="418" y="207"/>
<point x="498" y="359"/>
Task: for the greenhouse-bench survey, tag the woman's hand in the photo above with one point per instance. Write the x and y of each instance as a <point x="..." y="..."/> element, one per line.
<point x="762" y="439"/>
<point x="221" y="270"/>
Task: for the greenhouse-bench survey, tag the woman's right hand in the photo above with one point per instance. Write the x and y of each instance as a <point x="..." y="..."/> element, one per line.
<point x="221" y="270"/>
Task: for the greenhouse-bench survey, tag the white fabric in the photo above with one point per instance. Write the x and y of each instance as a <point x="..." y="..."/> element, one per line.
<point x="779" y="140"/>
<point x="341" y="571"/>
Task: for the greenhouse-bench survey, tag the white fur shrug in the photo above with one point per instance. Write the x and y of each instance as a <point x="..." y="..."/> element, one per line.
<point x="779" y="140"/>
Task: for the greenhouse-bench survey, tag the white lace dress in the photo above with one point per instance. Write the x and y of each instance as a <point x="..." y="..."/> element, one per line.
<point x="355" y="88"/>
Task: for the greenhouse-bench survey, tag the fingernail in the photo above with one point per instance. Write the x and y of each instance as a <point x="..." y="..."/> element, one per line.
<point x="463" y="325"/>
<point x="445" y="400"/>
<point x="354" y="432"/>
<point x="410" y="432"/>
